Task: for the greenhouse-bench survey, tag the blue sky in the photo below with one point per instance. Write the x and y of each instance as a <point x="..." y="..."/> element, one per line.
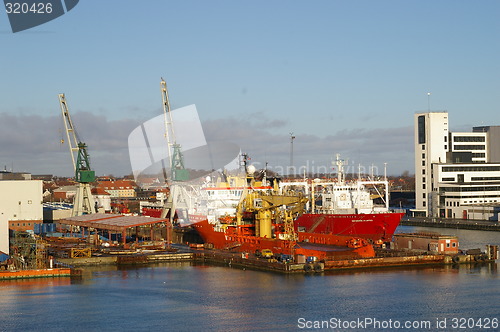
<point x="343" y="76"/>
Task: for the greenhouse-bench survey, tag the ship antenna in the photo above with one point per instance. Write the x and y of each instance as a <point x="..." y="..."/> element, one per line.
<point x="340" y="169"/>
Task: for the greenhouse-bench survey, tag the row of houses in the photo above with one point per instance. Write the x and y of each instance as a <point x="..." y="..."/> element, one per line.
<point x="27" y="200"/>
<point x="113" y="188"/>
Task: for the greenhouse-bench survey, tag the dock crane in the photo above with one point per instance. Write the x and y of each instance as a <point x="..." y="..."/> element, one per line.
<point x="178" y="196"/>
<point x="177" y="170"/>
<point x="84" y="201"/>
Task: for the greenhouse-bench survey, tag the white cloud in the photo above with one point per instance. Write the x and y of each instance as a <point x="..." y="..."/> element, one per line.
<point x="31" y="143"/>
<point x="393" y="146"/>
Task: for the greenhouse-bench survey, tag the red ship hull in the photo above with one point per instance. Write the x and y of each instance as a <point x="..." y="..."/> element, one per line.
<point x="375" y="226"/>
<point x="322" y="246"/>
<point x="151" y="212"/>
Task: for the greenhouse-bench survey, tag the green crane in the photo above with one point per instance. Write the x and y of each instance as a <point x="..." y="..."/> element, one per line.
<point x="178" y="196"/>
<point x="84" y="201"/>
<point x="177" y="170"/>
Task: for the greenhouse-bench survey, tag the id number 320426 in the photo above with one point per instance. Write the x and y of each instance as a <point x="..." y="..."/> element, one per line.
<point x="25" y="8"/>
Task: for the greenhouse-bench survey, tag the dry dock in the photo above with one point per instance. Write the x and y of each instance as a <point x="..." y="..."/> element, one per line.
<point x="387" y="258"/>
<point x="197" y="254"/>
<point x="241" y="261"/>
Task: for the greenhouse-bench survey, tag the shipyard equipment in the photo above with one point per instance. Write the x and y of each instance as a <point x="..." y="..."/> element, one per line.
<point x="177" y="197"/>
<point x="84" y="201"/>
<point x="177" y="170"/>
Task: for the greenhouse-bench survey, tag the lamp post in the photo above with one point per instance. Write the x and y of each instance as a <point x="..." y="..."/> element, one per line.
<point x="292" y="137"/>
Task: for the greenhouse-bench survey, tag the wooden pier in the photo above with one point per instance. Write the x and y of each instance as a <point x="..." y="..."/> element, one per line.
<point x="128" y="259"/>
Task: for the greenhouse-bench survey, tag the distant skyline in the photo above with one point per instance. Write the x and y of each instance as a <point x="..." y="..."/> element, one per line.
<point x="345" y="77"/>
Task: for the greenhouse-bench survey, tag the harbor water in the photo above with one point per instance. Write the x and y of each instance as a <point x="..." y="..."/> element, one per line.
<point x="189" y="297"/>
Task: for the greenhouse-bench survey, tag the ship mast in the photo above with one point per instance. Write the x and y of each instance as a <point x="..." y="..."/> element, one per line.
<point x="340" y="169"/>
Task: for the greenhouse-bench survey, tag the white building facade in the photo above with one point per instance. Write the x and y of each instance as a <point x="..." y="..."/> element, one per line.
<point x="21" y="202"/>
<point x="455" y="174"/>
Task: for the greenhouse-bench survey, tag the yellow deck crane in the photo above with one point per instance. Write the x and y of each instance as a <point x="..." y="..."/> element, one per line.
<point x="84" y="201"/>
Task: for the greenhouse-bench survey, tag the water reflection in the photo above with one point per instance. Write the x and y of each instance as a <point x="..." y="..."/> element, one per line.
<point x="187" y="296"/>
<point x="194" y="297"/>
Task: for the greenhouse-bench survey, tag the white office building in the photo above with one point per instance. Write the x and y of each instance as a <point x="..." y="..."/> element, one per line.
<point x="457" y="174"/>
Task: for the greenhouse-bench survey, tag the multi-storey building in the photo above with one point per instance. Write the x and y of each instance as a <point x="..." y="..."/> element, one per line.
<point x="431" y="145"/>
<point x="21" y="203"/>
<point x="457" y="174"/>
<point x="119" y="188"/>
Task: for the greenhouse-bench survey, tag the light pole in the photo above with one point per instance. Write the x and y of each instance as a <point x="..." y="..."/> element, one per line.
<point x="292" y="137"/>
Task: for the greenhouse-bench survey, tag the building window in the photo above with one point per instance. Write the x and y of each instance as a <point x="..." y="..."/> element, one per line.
<point x="423" y="179"/>
<point x="423" y="171"/>
<point x="421" y="129"/>
<point x="423" y="195"/>
<point x="471" y="169"/>
<point x="445" y="146"/>
<point x="423" y="203"/>
<point x="445" y="139"/>
<point x="453" y="244"/>
<point x="423" y="146"/>
<point x="423" y="155"/>
<point x="469" y="139"/>
<point x="423" y="186"/>
<point x="469" y="147"/>
<point x="423" y="162"/>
